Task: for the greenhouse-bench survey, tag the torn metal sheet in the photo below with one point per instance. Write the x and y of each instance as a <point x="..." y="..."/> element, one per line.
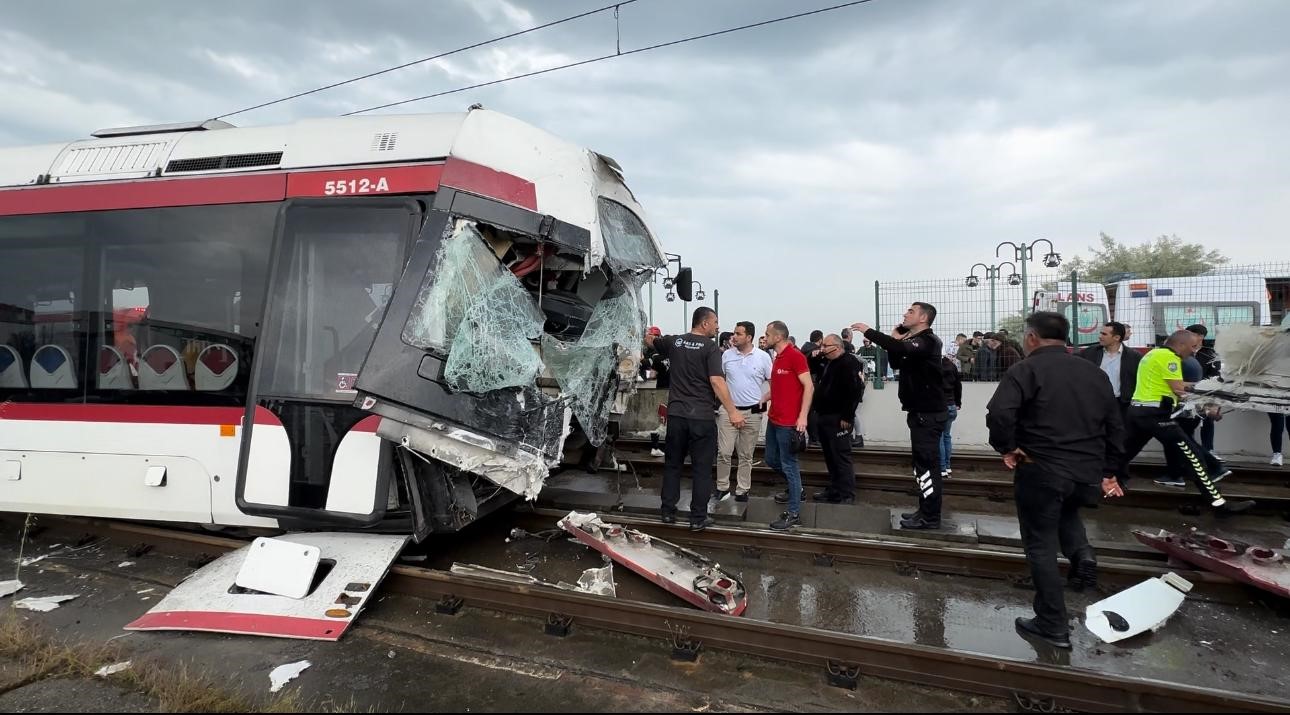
<point x="43" y="604"/>
<point x="479" y="314"/>
<point x="1255" y="372"/>
<point x="9" y="588"/>
<point x="286" y="673"/>
<point x="598" y="581"/>
<point x="682" y="572"/>
<point x="1259" y="566"/>
<point x="209" y="600"/>
<point x="1141" y="608"/>
<point x="521" y="471"/>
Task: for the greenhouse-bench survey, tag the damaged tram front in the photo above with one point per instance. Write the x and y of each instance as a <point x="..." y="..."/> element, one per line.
<point x="378" y="323"/>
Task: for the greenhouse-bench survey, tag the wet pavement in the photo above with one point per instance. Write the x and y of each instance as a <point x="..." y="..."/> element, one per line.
<point x="402" y="656"/>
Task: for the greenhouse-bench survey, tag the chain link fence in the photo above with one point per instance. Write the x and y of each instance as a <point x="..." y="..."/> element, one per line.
<point x="993" y="302"/>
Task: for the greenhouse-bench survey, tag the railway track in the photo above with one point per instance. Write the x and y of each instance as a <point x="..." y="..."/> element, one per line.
<point x="980" y="477"/>
<point x="843" y="657"/>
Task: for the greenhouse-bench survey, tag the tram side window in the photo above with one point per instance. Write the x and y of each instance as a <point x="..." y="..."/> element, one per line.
<point x="336" y="272"/>
<point x="182" y="294"/>
<point x="42" y="326"/>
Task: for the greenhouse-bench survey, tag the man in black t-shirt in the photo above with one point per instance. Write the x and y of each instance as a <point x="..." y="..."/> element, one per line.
<point x="698" y="385"/>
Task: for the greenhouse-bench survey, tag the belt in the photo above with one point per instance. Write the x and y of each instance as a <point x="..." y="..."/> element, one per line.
<point x="749" y="407"/>
<point x="1152" y="405"/>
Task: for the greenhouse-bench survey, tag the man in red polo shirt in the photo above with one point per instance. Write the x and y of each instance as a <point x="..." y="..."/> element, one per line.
<point x="790" y="401"/>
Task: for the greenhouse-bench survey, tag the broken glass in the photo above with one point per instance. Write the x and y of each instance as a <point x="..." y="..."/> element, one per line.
<point x="628" y="245"/>
<point x="479" y="314"/>
<point x="586" y="368"/>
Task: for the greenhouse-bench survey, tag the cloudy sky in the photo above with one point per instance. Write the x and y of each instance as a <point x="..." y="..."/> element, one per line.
<point x="792" y="165"/>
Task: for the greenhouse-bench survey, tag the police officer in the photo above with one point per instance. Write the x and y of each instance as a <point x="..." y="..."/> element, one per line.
<point x="1160" y="385"/>
<point x="1055" y="420"/>
<point x="916" y="351"/>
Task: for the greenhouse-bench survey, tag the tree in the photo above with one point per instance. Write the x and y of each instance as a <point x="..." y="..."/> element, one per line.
<point x="1014" y="324"/>
<point x="1163" y="257"/>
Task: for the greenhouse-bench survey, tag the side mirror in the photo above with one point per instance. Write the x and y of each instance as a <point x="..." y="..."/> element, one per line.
<point x="684" y="284"/>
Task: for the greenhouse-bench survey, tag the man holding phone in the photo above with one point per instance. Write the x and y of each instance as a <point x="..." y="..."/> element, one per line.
<point x="747" y="372"/>
<point x="916" y="351"/>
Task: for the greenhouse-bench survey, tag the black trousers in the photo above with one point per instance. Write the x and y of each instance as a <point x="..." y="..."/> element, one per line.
<point x="836" y="443"/>
<point x="925" y="429"/>
<point x="1183" y="456"/>
<point x="698" y="440"/>
<point x="1048" y="512"/>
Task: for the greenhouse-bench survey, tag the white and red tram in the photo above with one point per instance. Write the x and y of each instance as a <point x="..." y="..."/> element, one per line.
<point x="390" y="323"/>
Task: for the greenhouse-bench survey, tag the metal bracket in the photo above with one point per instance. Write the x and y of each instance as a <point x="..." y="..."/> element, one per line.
<point x="558" y="625"/>
<point x="823" y="560"/>
<point x="1037" y="704"/>
<point x="842" y="675"/>
<point x="685" y="648"/>
<point x="448" y="605"/>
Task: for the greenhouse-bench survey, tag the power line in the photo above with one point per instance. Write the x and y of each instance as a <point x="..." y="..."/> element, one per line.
<point x="423" y="60"/>
<point x="609" y="57"/>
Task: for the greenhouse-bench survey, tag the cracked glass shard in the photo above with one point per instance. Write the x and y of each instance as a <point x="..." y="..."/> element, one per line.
<point x="586" y="368"/>
<point x="479" y="314"/>
<point x="628" y="246"/>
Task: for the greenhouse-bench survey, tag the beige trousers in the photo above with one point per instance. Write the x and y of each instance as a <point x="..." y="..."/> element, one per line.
<point x="731" y="439"/>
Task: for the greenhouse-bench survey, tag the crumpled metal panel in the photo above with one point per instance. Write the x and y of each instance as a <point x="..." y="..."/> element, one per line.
<point x="479" y="314"/>
<point x="1256" y="372"/>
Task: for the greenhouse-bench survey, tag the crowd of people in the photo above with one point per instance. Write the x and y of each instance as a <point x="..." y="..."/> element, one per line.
<point x="1067" y="423"/>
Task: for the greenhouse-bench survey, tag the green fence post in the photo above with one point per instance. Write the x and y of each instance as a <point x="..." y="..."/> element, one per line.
<point x="1075" y="308"/>
<point x="880" y="359"/>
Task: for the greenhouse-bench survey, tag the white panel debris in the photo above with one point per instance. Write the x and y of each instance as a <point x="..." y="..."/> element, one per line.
<point x="9" y="588"/>
<point x="598" y="581"/>
<point x="113" y="669"/>
<point x="1144" y="607"/>
<point x="284" y="674"/>
<point x="479" y="313"/>
<point x="1255" y="372"/>
<point x="43" y="604"/>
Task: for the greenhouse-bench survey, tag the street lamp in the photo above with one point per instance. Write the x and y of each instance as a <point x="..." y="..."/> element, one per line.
<point x="699" y="294"/>
<point x="1023" y="254"/>
<point x="992" y="273"/>
<point x="667" y="281"/>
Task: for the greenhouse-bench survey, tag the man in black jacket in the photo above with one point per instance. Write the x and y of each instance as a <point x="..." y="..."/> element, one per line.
<point x="836" y="398"/>
<point x="1117" y="361"/>
<point x="1055" y="421"/>
<point x="915" y="351"/>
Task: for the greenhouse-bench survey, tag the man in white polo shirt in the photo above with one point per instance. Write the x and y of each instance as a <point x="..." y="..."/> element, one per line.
<point x="747" y="372"/>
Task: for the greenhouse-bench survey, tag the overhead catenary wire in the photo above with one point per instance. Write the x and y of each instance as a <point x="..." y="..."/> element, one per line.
<point x="432" y="58"/>
<point x="615" y="55"/>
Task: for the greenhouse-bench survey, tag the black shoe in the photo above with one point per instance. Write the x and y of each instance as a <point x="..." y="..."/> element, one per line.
<point x="910" y="515"/>
<point x="921" y="522"/>
<point x="741" y="497"/>
<point x="857" y="442"/>
<point x="1233" y="507"/>
<point x="669" y="518"/>
<point x="1083" y="575"/>
<point x="786" y="522"/>
<point x="701" y="525"/>
<point x="720" y="494"/>
<point x="839" y="500"/>
<point x="822" y="495"/>
<point x="1027" y="627"/>
<point x="781" y="498"/>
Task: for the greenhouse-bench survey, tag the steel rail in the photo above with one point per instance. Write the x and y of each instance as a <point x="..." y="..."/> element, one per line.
<point x="1042" y="686"/>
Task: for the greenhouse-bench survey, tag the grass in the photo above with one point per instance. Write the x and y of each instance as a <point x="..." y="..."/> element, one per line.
<point x="177" y="688"/>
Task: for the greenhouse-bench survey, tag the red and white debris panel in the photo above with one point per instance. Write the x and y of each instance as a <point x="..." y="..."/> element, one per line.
<point x="1259" y="566"/>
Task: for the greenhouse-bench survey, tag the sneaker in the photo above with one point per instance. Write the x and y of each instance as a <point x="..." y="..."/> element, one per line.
<point x="721" y="495"/>
<point x="786" y="522"/>
<point x="921" y="522"/>
<point x="656" y="453"/>
<point x="1276" y="459"/>
<point x="1171" y="482"/>
<point x="1214" y="454"/>
<point x="701" y="525"/>
<point x="822" y="495"/>
<point x="669" y="518"/>
<point x="781" y="498"/>
<point x="1228" y="508"/>
<point x="1226" y="473"/>
<point x="1083" y="575"/>
<point x="1027" y="628"/>
<point x="741" y="497"/>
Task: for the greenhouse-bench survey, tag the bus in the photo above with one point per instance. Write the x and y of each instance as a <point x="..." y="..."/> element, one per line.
<point x="386" y="323"/>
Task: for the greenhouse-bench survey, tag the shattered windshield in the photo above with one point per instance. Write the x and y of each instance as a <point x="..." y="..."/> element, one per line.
<point x="478" y="314"/>
<point x="628" y="246"/>
<point x="586" y="368"/>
